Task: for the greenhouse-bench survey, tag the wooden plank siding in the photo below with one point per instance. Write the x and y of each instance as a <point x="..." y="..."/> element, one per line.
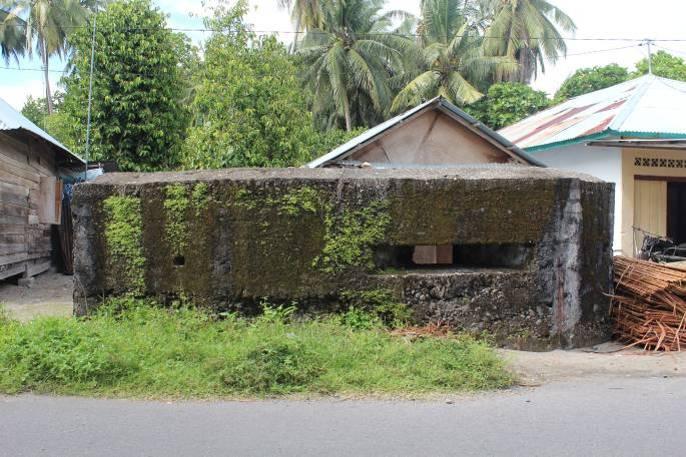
<point x="25" y="242"/>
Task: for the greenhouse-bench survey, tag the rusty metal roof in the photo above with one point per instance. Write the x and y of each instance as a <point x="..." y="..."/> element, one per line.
<point x="645" y="107"/>
<point x="11" y="119"/>
<point x="440" y="103"/>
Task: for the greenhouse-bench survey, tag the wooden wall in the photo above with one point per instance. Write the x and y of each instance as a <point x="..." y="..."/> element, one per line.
<point x="25" y="241"/>
<point x="432" y="138"/>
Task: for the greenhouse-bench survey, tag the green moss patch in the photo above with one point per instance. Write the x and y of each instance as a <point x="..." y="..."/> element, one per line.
<point x="350" y="237"/>
<point x="176" y="203"/>
<point x="123" y="235"/>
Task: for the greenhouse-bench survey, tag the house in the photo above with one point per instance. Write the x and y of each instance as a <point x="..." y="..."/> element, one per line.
<point x="32" y="167"/>
<point x="435" y="133"/>
<point x="629" y="134"/>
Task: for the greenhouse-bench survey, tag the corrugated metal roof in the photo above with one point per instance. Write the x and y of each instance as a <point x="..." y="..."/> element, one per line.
<point x="645" y="107"/>
<point x="344" y="150"/>
<point x="11" y="119"/>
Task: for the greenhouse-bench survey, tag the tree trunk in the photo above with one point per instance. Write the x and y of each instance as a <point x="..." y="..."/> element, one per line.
<point x="48" y="96"/>
<point x="346" y="111"/>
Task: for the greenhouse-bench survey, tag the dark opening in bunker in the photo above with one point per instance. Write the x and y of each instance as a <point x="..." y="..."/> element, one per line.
<point x="490" y="255"/>
<point x="179" y="261"/>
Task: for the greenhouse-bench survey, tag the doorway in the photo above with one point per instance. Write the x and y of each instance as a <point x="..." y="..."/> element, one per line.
<point x="676" y="211"/>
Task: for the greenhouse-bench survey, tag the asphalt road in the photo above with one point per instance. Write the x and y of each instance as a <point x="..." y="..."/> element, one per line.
<point x="597" y="417"/>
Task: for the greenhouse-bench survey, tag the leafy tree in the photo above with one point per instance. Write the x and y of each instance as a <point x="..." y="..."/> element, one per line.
<point x="527" y="31"/>
<point x="35" y="109"/>
<point x="138" y="119"/>
<point x="349" y="60"/>
<point x="507" y="103"/>
<point x="46" y="25"/>
<point x="249" y="108"/>
<point x="664" y="64"/>
<point x="451" y="64"/>
<point x="587" y="80"/>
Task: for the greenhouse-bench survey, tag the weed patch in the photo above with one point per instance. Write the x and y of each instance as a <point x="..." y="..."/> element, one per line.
<point x="135" y="349"/>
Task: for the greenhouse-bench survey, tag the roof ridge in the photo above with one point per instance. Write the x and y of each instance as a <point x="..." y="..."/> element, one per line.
<point x="626" y="110"/>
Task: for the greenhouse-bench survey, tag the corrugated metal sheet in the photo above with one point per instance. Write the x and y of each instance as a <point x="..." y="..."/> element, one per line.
<point x="344" y="150"/>
<point x="11" y="119"/>
<point x="648" y="107"/>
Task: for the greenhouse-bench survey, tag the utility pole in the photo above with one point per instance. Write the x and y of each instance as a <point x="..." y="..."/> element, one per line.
<point x="648" y="42"/>
<point x="90" y="98"/>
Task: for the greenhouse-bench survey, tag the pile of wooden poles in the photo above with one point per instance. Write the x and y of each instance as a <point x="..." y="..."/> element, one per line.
<point x="649" y="304"/>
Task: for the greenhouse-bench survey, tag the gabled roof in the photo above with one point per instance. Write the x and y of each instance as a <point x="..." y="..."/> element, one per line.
<point x="347" y="149"/>
<point x="645" y="107"/>
<point x="11" y="119"/>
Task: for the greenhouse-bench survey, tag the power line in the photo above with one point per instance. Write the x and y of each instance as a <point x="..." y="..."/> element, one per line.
<point x="602" y="50"/>
<point x="321" y="32"/>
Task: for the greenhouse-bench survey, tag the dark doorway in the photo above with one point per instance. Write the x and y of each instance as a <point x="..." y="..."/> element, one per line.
<point x="676" y="211"/>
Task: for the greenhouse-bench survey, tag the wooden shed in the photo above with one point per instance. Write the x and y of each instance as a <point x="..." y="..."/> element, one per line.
<point x="433" y="134"/>
<point x="32" y="168"/>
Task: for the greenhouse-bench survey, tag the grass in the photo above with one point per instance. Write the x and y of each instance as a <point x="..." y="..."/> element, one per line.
<point x="133" y="349"/>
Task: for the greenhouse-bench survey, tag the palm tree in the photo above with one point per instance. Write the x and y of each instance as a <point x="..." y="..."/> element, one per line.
<point x="527" y="30"/>
<point x="452" y="64"/>
<point x="350" y="59"/>
<point x="46" y="26"/>
<point x="306" y="14"/>
<point x="12" y="38"/>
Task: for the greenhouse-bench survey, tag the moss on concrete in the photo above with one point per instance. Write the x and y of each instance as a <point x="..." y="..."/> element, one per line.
<point x="350" y="237"/>
<point x="176" y="203"/>
<point x="123" y="235"/>
<point x="200" y="197"/>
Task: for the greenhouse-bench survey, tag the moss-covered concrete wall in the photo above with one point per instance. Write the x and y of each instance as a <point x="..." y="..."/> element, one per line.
<point x="230" y="238"/>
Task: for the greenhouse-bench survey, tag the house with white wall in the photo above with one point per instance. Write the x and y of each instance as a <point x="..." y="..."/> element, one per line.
<point x="631" y="134"/>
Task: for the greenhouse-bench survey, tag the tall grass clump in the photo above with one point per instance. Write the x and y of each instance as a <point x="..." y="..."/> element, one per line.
<point x="133" y="348"/>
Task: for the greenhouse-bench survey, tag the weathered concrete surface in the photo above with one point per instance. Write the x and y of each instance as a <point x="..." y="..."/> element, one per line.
<point x="535" y="242"/>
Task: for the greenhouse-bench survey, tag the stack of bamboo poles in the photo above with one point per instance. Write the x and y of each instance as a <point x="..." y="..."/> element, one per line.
<point x="649" y="304"/>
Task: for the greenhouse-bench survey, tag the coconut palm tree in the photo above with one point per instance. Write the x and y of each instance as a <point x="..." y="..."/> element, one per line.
<point x="306" y="14"/>
<point x="452" y="64"/>
<point x="12" y="38"/>
<point x="46" y="26"/>
<point x="350" y="59"/>
<point x="528" y="31"/>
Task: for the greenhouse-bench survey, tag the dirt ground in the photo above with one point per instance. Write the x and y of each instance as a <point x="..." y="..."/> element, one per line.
<point x="50" y="294"/>
<point x="605" y="360"/>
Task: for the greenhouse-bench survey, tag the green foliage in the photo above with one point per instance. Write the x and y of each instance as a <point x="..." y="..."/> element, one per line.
<point x="382" y="304"/>
<point x="249" y="107"/>
<point x="587" y="80"/>
<point x="507" y="103"/>
<point x="123" y="235"/>
<point x="135" y="348"/>
<point x="176" y="203"/>
<point x="138" y="117"/>
<point x="57" y="351"/>
<point x="514" y="29"/>
<point x="451" y="62"/>
<point x="350" y="237"/>
<point x="664" y="64"/>
<point x="349" y="58"/>
<point x="35" y="110"/>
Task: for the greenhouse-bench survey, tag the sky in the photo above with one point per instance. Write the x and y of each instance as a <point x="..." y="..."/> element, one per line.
<point x="600" y="26"/>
